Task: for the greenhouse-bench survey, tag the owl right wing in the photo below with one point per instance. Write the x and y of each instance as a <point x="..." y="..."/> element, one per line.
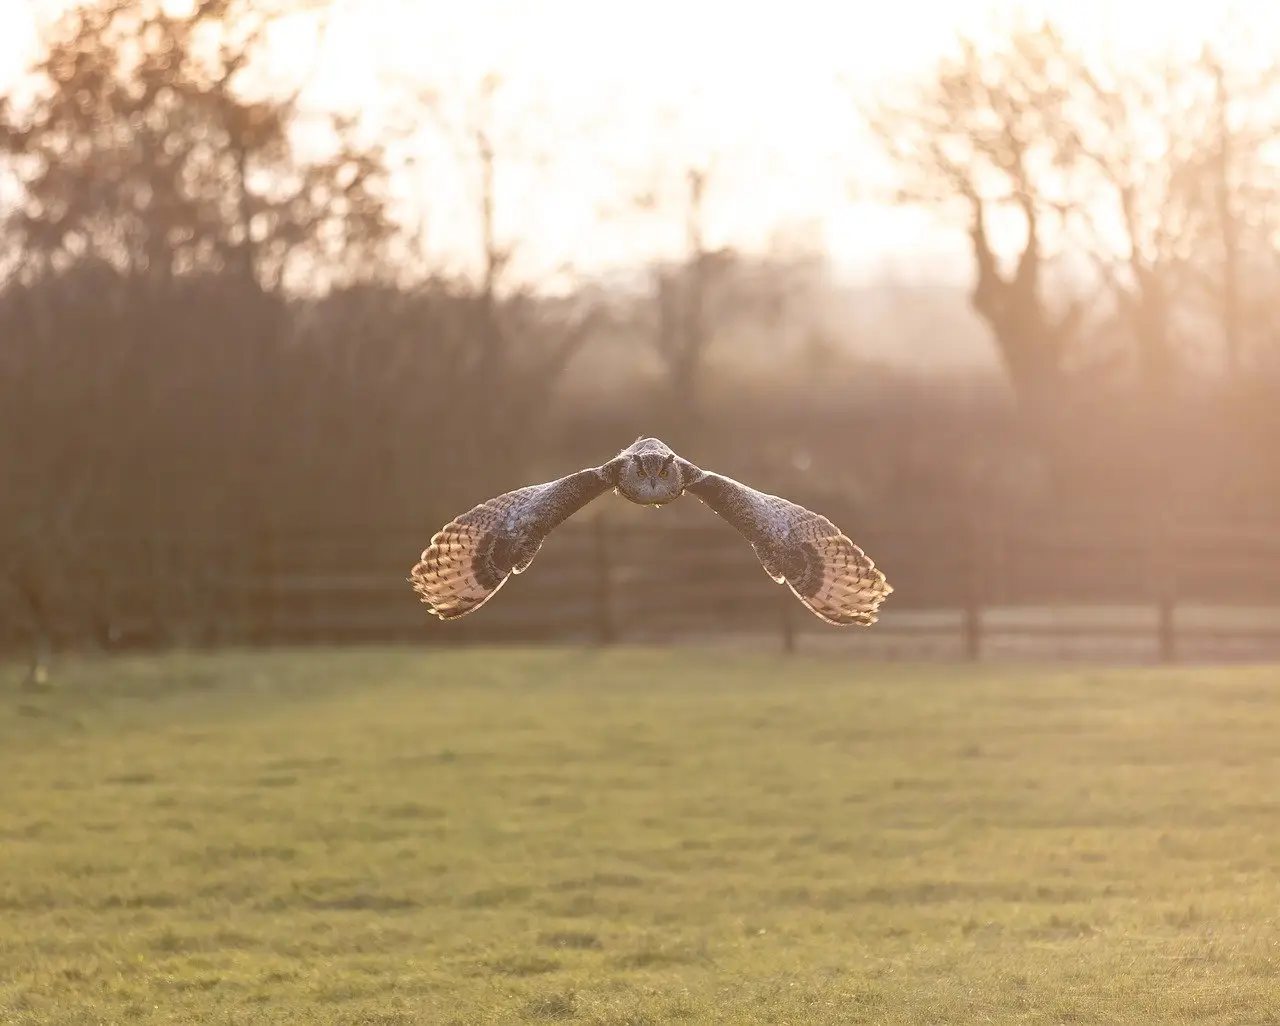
<point x="473" y="555"/>
<point x="832" y="576"/>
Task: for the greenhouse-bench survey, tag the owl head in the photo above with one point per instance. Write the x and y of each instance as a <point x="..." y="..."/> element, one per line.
<point x="648" y="472"/>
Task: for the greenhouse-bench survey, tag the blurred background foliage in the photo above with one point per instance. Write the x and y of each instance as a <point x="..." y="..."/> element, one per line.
<point x="216" y="317"/>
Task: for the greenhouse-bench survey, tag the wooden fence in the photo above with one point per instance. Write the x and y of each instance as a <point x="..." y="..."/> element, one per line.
<point x="1153" y="592"/>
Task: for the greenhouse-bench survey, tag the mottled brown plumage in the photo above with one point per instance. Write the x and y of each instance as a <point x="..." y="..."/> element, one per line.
<point x="826" y="571"/>
<point x="474" y="555"/>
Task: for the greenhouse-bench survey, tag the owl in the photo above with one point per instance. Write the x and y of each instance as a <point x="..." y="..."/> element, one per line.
<point x="475" y="554"/>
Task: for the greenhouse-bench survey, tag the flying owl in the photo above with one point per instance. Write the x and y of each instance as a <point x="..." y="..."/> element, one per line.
<point x="475" y="554"/>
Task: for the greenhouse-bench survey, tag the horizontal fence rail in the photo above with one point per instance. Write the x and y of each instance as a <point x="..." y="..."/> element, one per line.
<point x="1158" y="592"/>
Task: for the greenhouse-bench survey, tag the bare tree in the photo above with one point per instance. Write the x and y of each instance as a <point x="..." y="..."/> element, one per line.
<point x="1154" y="175"/>
<point x="498" y="371"/>
<point x="1155" y="172"/>
<point x="989" y="134"/>
<point x="703" y="297"/>
<point x="1231" y="190"/>
<point x="1173" y="190"/>
<point x="682" y="330"/>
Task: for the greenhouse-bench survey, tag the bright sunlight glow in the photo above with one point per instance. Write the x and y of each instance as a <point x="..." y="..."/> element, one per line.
<point x="603" y="100"/>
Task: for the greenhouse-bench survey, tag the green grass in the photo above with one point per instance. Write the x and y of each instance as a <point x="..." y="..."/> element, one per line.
<point x="636" y="837"/>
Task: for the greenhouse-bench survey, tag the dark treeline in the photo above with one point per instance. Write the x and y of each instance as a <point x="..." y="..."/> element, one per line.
<point x="165" y="374"/>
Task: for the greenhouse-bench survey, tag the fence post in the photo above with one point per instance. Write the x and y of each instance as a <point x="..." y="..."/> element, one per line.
<point x="605" y="632"/>
<point x="160" y="593"/>
<point x="262" y="589"/>
<point x="974" y="574"/>
<point x="1164" y="589"/>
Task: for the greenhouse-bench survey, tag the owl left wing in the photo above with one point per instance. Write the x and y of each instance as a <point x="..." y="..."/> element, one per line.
<point x="832" y="576"/>
<point x="474" y="555"/>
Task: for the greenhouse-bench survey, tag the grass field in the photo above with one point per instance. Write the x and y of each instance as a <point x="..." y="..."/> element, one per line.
<point x="636" y="837"/>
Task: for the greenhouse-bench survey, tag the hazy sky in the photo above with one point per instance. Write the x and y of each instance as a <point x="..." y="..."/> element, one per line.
<point x="620" y="96"/>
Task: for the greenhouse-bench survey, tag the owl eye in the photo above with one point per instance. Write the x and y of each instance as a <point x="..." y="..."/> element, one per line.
<point x="662" y="472"/>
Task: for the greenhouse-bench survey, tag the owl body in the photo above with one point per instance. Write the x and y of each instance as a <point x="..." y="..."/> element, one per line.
<point x="474" y="555"/>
